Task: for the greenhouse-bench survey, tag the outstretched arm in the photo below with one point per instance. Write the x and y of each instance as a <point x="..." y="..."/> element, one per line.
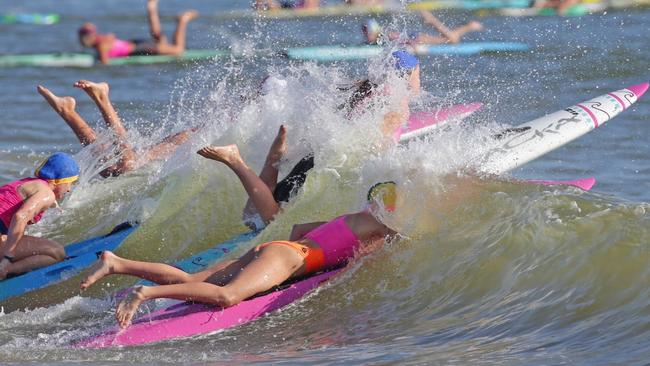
<point x="104" y="47"/>
<point x="300" y="230"/>
<point x="42" y="199"/>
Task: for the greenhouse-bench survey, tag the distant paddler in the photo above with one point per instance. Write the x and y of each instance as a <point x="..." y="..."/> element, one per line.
<point x="109" y="46"/>
<point x="373" y="32"/>
<point x="561" y="6"/>
<point x="286" y="4"/>
<point x="23" y="202"/>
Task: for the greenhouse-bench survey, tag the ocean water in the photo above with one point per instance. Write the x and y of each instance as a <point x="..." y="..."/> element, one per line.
<point x="490" y="271"/>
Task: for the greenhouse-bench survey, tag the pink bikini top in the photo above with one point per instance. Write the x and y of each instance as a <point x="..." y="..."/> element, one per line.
<point x="336" y="240"/>
<point x="120" y="48"/>
<point x="11" y="200"/>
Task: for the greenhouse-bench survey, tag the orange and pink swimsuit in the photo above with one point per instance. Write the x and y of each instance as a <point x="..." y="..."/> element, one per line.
<point x="337" y="243"/>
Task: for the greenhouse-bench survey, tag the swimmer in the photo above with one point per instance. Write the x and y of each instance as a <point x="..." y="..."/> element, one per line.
<point x="286" y="4"/>
<point x="108" y="46"/>
<point x="22" y="203"/>
<point x="560" y="5"/>
<point x="408" y="68"/>
<point x="372" y="32"/>
<point x="265" y="193"/>
<point x="310" y="248"/>
<point x="98" y="92"/>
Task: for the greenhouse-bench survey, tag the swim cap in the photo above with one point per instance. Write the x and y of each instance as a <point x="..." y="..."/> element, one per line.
<point x="405" y="61"/>
<point x="372" y="26"/>
<point x="384" y="192"/>
<point x="59" y="168"/>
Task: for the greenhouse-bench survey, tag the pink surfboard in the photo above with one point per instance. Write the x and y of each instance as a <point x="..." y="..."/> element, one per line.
<point x="424" y="122"/>
<point x="584" y="183"/>
<point x="188" y="319"/>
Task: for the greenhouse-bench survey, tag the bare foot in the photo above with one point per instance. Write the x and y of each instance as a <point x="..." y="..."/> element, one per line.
<point x="475" y="26"/>
<point x="188" y="15"/>
<point x="102" y="267"/>
<point x="152" y="5"/>
<point x="127" y="307"/>
<point x="226" y="154"/>
<point x="61" y="105"/>
<point x="278" y="147"/>
<point x="94" y="90"/>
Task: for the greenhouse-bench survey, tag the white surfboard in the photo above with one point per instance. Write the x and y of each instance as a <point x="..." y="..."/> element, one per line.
<point x="519" y="145"/>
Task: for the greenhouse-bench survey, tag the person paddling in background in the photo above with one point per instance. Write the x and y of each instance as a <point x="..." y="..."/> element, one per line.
<point x="286" y="4"/>
<point x="23" y="202"/>
<point x="561" y="6"/>
<point x="98" y="92"/>
<point x="407" y="67"/>
<point x="108" y="46"/>
<point x="311" y="248"/>
<point x="373" y="32"/>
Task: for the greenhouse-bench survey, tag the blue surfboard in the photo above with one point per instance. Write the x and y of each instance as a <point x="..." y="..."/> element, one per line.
<point x="79" y="257"/>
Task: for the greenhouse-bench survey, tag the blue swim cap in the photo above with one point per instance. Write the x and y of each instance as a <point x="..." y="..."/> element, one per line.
<point x="59" y="168"/>
<point x="405" y="61"/>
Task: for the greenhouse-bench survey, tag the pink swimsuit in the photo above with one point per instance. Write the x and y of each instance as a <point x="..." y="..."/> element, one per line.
<point x="336" y="240"/>
<point x="11" y="200"/>
<point x="120" y="48"/>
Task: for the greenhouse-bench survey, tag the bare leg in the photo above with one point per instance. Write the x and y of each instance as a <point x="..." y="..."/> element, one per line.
<point x="33" y="252"/>
<point x="257" y="190"/>
<point x="271" y="266"/>
<point x="65" y="107"/>
<point x="108" y="263"/>
<point x="160" y="273"/>
<point x="269" y="173"/>
<point x="452" y="36"/>
<point x="154" y="20"/>
<point x="176" y="49"/>
<point x="165" y="147"/>
<point x="98" y="92"/>
<point x="566" y="4"/>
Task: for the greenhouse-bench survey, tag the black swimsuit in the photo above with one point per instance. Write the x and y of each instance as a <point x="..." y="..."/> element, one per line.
<point x="287" y="187"/>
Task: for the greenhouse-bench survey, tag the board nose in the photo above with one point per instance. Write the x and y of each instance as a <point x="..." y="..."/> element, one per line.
<point x="639" y="89"/>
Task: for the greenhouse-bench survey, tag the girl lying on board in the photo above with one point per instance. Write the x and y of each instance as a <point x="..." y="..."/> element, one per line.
<point x="108" y="46"/>
<point x="311" y="248"/>
<point x="23" y="202"/>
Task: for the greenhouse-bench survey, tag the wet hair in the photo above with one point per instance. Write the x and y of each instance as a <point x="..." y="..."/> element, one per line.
<point x="363" y="89"/>
<point x="86" y="29"/>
